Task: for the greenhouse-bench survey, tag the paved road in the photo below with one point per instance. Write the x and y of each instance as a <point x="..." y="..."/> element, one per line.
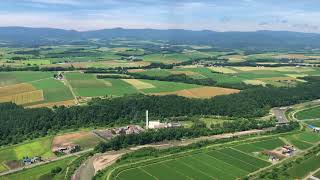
<point x="280" y="114"/>
<point x="42" y="163"/>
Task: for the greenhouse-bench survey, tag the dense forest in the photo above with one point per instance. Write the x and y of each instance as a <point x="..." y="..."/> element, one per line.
<point x="18" y="123"/>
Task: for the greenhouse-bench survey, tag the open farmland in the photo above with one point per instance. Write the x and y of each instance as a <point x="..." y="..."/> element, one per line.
<point x="87" y="85"/>
<point x="310" y="113"/>
<point x="11" y="78"/>
<point x="32" y="88"/>
<point x="40" y="172"/>
<point x="11" y="156"/>
<point x="303" y="140"/>
<point x="304" y="167"/>
<point x="54" y="90"/>
<point x="269" y="144"/>
<point x="84" y="139"/>
<point x="24" y="98"/>
<point x="201" y="92"/>
<point x="166" y="86"/>
<point x="138" y="84"/>
<point x="215" y="164"/>
<point x="276" y="76"/>
<point x="175" y="57"/>
<point x="20" y="94"/>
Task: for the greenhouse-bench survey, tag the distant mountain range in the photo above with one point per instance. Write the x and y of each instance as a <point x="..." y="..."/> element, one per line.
<point x="25" y="36"/>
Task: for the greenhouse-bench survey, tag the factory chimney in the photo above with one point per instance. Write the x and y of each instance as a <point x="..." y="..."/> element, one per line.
<point x="147" y="119"/>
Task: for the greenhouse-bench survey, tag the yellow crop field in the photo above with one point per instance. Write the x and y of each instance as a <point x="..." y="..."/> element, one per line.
<point x="138" y="84"/>
<point x="16" y="89"/>
<point x="24" y="98"/>
<point x="223" y="70"/>
<point x="254" y="82"/>
<point x="202" y="92"/>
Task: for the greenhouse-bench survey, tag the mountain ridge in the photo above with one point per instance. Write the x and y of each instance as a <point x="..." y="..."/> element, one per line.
<point x="17" y="35"/>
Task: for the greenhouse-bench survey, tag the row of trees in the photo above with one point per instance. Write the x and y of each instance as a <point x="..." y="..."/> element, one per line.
<point x="18" y="123"/>
<point x="153" y="136"/>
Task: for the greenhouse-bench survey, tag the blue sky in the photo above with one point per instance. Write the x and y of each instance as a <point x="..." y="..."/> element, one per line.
<point x="218" y="15"/>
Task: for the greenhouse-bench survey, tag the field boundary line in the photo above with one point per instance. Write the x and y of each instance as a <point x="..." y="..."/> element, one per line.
<point x="143" y="170"/>
<point x="196" y="169"/>
<point x="207" y="164"/>
<point x="176" y="171"/>
<point x="247" y="154"/>
<point x="246" y="172"/>
<point x="71" y="89"/>
<point x="236" y="159"/>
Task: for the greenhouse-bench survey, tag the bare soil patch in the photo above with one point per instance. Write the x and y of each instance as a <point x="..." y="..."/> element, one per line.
<point x="68" y="139"/>
<point x="105" y="160"/>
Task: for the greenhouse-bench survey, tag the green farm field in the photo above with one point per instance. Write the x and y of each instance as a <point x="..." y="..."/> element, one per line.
<point x="268" y="144"/>
<point x="40" y="172"/>
<point x="54" y="90"/>
<point x="217" y="164"/>
<point x="307" y="165"/>
<point x="303" y="140"/>
<point x="11" y="78"/>
<point x="88" y="85"/>
<point x="314" y="122"/>
<point x="311" y="113"/>
<point x="284" y="76"/>
<point x="39" y="147"/>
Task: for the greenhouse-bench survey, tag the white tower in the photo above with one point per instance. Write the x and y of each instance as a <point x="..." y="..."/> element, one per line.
<point x="147" y="119"/>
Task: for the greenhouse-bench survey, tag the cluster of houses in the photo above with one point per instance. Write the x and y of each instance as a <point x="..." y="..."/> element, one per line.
<point x="288" y="150"/>
<point x="28" y="161"/>
<point x="279" y="154"/>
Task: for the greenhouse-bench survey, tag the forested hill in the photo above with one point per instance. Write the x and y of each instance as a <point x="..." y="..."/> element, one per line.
<point x="18" y="124"/>
<point x="259" y="39"/>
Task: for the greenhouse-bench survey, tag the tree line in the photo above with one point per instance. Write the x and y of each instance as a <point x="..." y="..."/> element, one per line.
<point x="153" y="136"/>
<point x="18" y="123"/>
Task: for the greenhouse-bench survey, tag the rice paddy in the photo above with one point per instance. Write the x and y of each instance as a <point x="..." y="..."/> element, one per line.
<point x="308" y="114"/>
<point x="226" y="163"/>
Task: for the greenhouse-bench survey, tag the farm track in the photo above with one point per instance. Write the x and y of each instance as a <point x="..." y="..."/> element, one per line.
<point x="66" y="82"/>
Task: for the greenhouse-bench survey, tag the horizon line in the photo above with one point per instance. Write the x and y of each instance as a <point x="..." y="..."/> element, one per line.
<point x="164" y="29"/>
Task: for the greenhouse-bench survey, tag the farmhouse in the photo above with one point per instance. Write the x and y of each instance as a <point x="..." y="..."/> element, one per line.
<point x="288" y="150"/>
<point x="314" y="128"/>
<point x="58" y="76"/>
<point x="28" y="161"/>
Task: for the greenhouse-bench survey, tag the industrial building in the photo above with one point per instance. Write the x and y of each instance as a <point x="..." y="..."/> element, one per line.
<point x="158" y="125"/>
